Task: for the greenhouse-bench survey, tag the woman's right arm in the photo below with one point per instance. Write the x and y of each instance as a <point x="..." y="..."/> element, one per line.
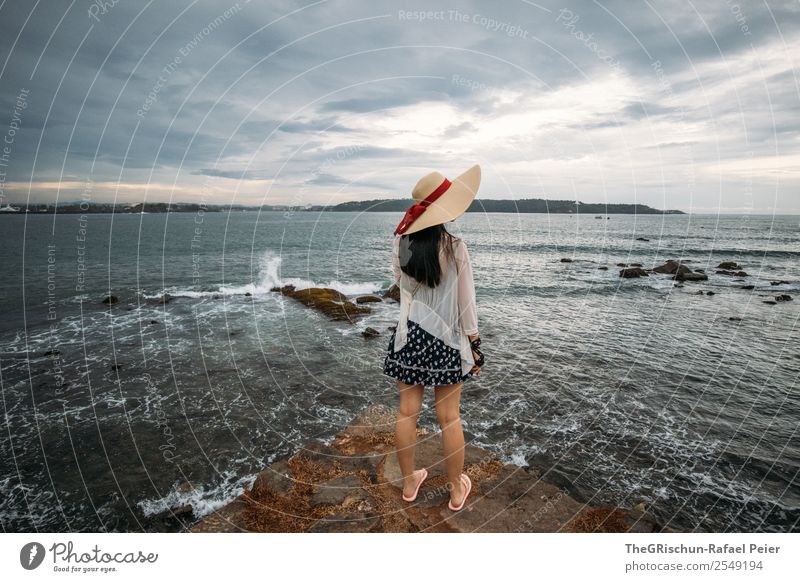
<point x="396" y="259"/>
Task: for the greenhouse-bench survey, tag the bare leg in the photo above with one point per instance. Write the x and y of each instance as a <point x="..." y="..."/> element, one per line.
<point x="448" y="405"/>
<point x="406" y="433"/>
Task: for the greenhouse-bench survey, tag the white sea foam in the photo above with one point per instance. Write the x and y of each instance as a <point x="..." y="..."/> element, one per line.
<point x="269" y="277"/>
<point x="202" y="500"/>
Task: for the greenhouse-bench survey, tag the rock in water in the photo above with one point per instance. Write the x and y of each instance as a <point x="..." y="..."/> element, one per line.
<point x="111" y="300"/>
<point x="370" y="332"/>
<point x="331" y="302"/>
<point x="690" y="276"/>
<point x="368" y="299"/>
<point x="632" y="272"/>
<point x="728" y="265"/>
<point x="671" y="267"/>
<point x="393" y="292"/>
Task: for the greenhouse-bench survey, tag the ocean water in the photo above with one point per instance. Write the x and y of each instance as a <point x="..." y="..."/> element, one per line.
<point x="621" y="390"/>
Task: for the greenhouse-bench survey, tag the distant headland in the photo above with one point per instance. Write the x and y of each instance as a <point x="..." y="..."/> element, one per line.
<point x="526" y="205"/>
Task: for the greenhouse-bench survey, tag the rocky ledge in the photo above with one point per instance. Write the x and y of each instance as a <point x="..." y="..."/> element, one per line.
<point x="353" y="485"/>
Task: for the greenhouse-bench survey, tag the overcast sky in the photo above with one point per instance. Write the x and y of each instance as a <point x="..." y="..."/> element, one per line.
<point x="681" y="105"/>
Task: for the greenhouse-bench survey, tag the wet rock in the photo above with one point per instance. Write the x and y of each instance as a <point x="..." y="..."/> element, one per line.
<point x="671" y="267"/>
<point x="566" y="260"/>
<point x="728" y="265"/>
<point x="392" y="292"/>
<point x="331" y="302"/>
<point x="632" y="272"/>
<point x="731" y="273"/>
<point x="634" y="264"/>
<point x="783" y="297"/>
<point x="248" y="294"/>
<point x="602" y="268"/>
<point x="770" y="302"/>
<point x="111" y="300"/>
<point x="710" y="293"/>
<point x="116" y="366"/>
<point x="51" y="353"/>
<point x="370" y="332"/>
<point x="368" y="299"/>
<point x="747" y="287"/>
<point x="779" y="282"/>
<point x="734" y="318"/>
<point x="154" y="321"/>
<point x="690" y="276"/>
<point x="182" y="513"/>
<point x="643" y="239"/>
<point x="392" y="328"/>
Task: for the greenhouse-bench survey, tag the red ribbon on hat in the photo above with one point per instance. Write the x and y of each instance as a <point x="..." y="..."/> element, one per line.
<point x="416" y="211"/>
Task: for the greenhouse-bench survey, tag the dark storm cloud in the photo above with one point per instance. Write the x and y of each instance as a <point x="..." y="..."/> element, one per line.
<point x="315" y="94"/>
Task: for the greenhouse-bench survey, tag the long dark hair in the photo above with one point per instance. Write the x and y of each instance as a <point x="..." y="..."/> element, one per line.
<point x="419" y="253"/>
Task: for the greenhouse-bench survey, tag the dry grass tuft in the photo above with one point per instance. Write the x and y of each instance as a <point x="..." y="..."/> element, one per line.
<point x="604" y="519"/>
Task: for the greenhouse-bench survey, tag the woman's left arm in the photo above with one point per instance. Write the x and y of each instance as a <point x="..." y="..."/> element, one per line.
<point x="467" y="304"/>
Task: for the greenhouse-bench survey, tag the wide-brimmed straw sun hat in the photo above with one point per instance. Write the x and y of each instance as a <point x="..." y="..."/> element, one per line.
<point x="438" y="200"/>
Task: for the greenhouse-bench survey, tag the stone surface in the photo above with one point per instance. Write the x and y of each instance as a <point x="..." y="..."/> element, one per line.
<point x="354" y="485"/>
<point x="428" y="454"/>
<point x="514" y="501"/>
<point x="227" y="519"/>
<point x="276" y="478"/>
<point x="357" y="522"/>
<point x="344" y="491"/>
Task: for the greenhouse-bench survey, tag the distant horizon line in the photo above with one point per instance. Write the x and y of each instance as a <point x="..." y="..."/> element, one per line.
<point x="306" y="207"/>
<point x="302" y="208"/>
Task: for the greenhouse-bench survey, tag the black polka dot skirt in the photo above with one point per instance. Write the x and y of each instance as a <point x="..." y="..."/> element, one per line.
<point x="425" y="359"/>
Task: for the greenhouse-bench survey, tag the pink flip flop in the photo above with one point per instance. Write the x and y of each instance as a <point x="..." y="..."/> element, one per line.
<point x="468" y="485"/>
<point x="413" y="497"/>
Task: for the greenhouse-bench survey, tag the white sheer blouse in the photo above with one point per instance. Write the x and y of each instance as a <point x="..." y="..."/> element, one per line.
<point x="448" y="311"/>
